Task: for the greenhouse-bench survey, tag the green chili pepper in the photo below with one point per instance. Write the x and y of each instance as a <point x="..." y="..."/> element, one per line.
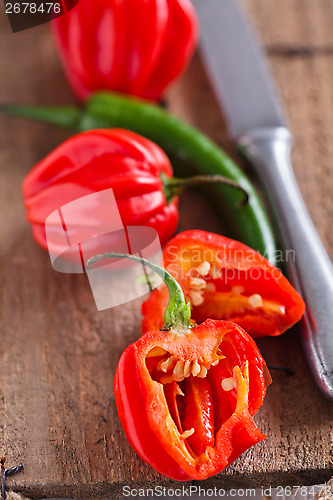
<point x="189" y="150"/>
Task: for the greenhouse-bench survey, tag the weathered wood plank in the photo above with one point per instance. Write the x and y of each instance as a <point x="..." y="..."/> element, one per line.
<point x="58" y="354"/>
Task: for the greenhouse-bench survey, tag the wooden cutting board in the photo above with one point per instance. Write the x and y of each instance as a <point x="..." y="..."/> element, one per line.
<point x="58" y="354"/>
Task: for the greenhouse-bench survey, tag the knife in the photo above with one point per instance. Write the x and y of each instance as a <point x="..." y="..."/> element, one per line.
<point x="246" y="93"/>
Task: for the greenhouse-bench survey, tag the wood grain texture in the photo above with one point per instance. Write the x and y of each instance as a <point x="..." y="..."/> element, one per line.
<point x="58" y="354"/>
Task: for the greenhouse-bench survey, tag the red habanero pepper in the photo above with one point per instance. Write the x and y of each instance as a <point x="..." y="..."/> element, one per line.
<point x="137" y="170"/>
<point x="225" y="279"/>
<point x="186" y="395"/>
<point x="129" y="46"/>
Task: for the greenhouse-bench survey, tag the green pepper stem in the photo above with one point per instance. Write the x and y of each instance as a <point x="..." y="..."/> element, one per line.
<point x="173" y="186"/>
<point x="177" y="312"/>
<point x="67" y="117"/>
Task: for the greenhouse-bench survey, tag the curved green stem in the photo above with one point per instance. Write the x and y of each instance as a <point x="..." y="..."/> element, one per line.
<point x="173" y="186"/>
<point x="67" y="117"/>
<point x="177" y="312"/>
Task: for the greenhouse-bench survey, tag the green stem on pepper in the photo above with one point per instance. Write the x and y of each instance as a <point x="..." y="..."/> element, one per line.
<point x="175" y="186"/>
<point x="178" y="312"/>
<point x="65" y="117"/>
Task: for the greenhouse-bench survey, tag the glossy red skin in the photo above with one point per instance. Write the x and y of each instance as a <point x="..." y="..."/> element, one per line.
<point x="133" y="47"/>
<point x="271" y="285"/>
<point x="145" y="416"/>
<point x="97" y="160"/>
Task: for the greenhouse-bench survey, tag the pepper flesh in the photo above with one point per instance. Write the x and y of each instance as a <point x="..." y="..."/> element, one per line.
<point x="134" y="47"/>
<point x="224" y="279"/>
<point x="190" y="427"/>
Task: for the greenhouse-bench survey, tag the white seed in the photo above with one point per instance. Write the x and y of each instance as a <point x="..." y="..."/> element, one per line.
<point x="187" y="434"/>
<point x="179" y="378"/>
<point x="198" y="283"/>
<point x="215" y="272"/>
<point x="255" y="300"/>
<point x="164" y="366"/>
<point x="216" y="362"/>
<point x="195" y="368"/>
<point x="166" y="379"/>
<point x="179" y="392"/>
<point x="204" y="268"/>
<point x="238" y="289"/>
<point x="203" y="372"/>
<point x="196" y="298"/>
<point x="179" y="369"/>
<point x="211" y="288"/>
<point x="228" y="384"/>
<point x="187" y="368"/>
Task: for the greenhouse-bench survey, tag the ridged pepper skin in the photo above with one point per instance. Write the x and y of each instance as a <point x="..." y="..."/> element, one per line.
<point x="186" y="399"/>
<point x="225" y="279"/>
<point x="130" y="46"/>
<point x="97" y="160"/>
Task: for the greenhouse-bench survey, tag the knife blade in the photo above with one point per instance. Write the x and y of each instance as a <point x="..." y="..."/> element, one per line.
<point x="246" y="93"/>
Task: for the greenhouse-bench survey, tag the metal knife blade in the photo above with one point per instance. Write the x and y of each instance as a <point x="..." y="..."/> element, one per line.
<point x="236" y="65"/>
<point x="243" y="86"/>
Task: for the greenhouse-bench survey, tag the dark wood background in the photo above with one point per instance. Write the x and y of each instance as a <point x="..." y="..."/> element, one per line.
<point x="58" y="354"/>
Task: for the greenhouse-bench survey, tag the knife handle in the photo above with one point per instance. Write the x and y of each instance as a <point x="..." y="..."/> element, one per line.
<point x="309" y="266"/>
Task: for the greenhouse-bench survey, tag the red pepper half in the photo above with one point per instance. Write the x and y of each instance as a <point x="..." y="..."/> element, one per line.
<point x="137" y="170"/>
<point x="186" y="395"/>
<point x="129" y="46"/>
<point x="225" y="279"/>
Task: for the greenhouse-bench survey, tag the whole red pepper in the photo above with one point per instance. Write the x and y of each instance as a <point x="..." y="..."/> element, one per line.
<point x="129" y="46"/>
<point x="186" y="395"/>
<point x="225" y="279"/>
<point x="137" y="170"/>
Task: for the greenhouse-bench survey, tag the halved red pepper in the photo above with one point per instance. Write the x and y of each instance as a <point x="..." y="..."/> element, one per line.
<point x="225" y="279"/>
<point x="186" y="395"/>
